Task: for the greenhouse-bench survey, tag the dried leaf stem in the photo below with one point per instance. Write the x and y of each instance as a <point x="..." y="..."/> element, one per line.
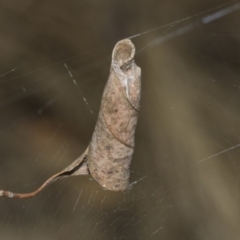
<point x="78" y="167"/>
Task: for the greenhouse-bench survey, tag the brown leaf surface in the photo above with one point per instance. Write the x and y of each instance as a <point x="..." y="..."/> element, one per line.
<point x="111" y="148"/>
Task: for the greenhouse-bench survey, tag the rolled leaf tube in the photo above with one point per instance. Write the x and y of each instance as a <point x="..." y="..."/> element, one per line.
<point x="109" y="154"/>
<point x="111" y="148"/>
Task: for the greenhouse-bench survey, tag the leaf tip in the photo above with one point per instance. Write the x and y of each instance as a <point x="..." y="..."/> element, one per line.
<point x="123" y="52"/>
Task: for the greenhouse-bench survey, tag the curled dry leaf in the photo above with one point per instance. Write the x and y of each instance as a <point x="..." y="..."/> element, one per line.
<point x="110" y="151"/>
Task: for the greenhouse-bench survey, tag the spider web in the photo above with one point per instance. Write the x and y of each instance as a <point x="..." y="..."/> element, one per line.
<point x="55" y="58"/>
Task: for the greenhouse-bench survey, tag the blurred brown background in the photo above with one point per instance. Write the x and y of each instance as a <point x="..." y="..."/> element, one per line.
<point x="190" y="113"/>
